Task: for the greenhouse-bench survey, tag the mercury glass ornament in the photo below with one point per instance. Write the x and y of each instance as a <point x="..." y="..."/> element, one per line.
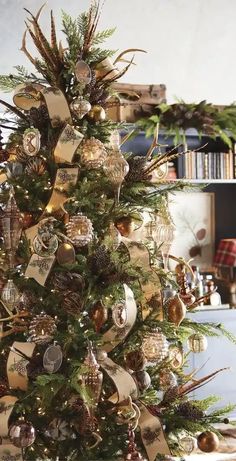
<point x="176" y="310"/>
<point x="22" y="433"/>
<point x="155" y="346"/>
<point x="10" y="295"/>
<point x="188" y="444"/>
<point x="80" y="106"/>
<point x="11" y="224"/>
<point x="52" y="358"/>
<point x="116" y="168"/>
<point x="143" y="379"/>
<point x="93" y="153"/>
<point x="42" y="329"/>
<point x="79" y="229"/>
<point x="164" y="235"/>
<point x="91" y="378"/>
<point x="197" y="342"/>
<point x="83" y="72"/>
<point x="167" y="380"/>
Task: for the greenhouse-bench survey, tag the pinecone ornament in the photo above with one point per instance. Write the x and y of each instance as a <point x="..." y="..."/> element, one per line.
<point x="39" y="116"/>
<point x="189" y="411"/>
<point x="137" y="166"/>
<point x="35" y="366"/>
<point x="72" y="303"/>
<point x="35" y="166"/>
<point x="101" y="259"/>
<point x="170" y="395"/>
<point x="67" y="281"/>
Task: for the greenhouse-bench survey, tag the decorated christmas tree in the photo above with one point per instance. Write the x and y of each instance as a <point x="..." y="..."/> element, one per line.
<point x="92" y="321"/>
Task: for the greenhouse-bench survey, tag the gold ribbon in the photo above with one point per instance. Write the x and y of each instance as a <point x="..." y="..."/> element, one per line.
<point x="69" y="140"/>
<point x="57" y="105"/>
<point x="152" y="434"/>
<point x="10" y="453"/>
<point x="17" y="378"/>
<point x="28" y="95"/>
<point x="65" y="177"/>
<point x="139" y="256"/>
<point x="124" y="382"/>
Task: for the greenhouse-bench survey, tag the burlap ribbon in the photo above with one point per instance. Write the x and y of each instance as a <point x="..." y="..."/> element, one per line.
<point x="16" y="365"/>
<point x="139" y="256"/>
<point x="7" y="451"/>
<point x="152" y="434"/>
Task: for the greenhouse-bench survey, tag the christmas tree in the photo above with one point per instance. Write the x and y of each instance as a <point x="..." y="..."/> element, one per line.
<point x="91" y="340"/>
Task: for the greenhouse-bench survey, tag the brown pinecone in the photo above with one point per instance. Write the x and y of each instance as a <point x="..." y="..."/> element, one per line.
<point x="135" y="360"/>
<point x="170" y="395"/>
<point x="189" y="411"/>
<point x="137" y="166"/>
<point x="3" y="389"/>
<point x="67" y="281"/>
<point x="35" y="366"/>
<point x="72" y="303"/>
<point x="39" y="116"/>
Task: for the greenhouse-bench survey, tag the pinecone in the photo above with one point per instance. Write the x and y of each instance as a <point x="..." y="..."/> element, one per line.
<point x="100" y="260"/>
<point x="3" y="389"/>
<point x="189" y="411"/>
<point x="39" y="116"/>
<point x="137" y="166"/>
<point x="72" y="303"/>
<point x="35" y="366"/>
<point x="67" y="281"/>
<point x="170" y="395"/>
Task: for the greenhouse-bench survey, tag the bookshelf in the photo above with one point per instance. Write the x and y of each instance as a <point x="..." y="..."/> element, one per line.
<point x="224" y="189"/>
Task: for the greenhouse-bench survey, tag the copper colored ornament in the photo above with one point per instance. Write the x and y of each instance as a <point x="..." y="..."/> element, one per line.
<point x="132" y="453"/>
<point x="143" y="380"/>
<point x="125" y="226"/>
<point x="79" y="230"/>
<point x="27" y="219"/>
<point x="11" y="224"/>
<point x="22" y="434"/>
<point x="97" y="114"/>
<point x="176" y="310"/>
<point x="4" y="154"/>
<point x="98" y="314"/>
<point x="208" y="441"/>
<point x="65" y="254"/>
<point x="36" y="166"/>
<point x="42" y="329"/>
<point x="92" y="153"/>
<point x="135" y="360"/>
<point x="197" y="342"/>
<point x="181" y="277"/>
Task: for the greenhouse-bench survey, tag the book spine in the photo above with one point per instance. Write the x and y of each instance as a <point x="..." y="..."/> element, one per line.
<point x="209" y="165"/>
<point x="234" y="160"/>
<point x="226" y="157"/>
<point x="222" y="166"/>
<point x="205" y="165"/>
<point x="231" y="167"/>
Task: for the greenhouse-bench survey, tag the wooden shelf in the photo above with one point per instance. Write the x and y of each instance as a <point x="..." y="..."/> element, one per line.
<point x="206" y="181"/>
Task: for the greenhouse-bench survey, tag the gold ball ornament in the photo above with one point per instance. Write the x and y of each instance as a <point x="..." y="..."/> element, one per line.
<point x="155" y="346"/>
<point x="92" y="153"/>
<point x="22" y="434"/>
<point x="208" y="441"/>
<point x="79" y="229"/>
<point x="197" y="343"/>
<point x="42" y="329"/>
<point x="97" y="114"/>
<point x="176" y="310"/>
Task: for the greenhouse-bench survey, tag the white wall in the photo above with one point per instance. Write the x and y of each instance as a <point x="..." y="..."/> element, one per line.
<point x="191" y="44"/>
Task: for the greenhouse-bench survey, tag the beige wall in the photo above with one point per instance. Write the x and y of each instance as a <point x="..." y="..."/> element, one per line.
<point x="191" y="44"/>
